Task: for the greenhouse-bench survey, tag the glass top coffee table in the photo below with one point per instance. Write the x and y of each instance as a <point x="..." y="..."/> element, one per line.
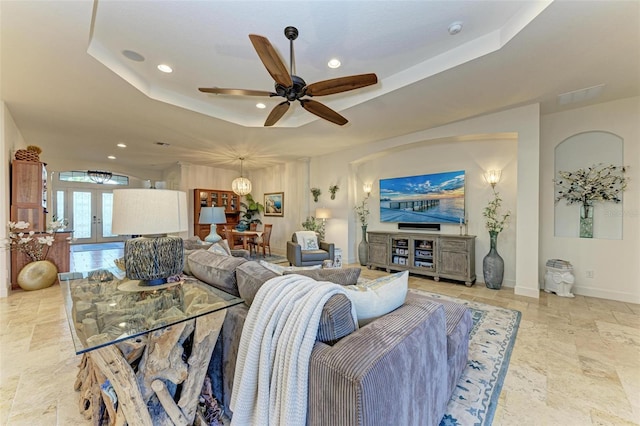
<point x="106" y="303"/>
<point x="142" y="343"/>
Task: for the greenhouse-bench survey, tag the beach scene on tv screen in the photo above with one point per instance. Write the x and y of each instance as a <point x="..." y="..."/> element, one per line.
<point x="431" y="198"/>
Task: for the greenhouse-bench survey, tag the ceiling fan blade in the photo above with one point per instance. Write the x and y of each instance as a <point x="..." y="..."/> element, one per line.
<point x="237" y="92"/>
<point x="323" y="111"/>
<point x="271" y="60"/>
<point x="277" y="113"/>
<point x="341" y="84"/>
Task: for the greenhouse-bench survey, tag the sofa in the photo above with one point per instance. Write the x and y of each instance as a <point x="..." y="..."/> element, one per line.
<point x="299" y="256"/>
<point x="400" y="368"/>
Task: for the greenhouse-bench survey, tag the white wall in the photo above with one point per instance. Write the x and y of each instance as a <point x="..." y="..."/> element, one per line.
<point x="474" y="156"/>
<point x="10" y="140"/>
<point x="523" y="171"/>
<point x="615" y="263"/>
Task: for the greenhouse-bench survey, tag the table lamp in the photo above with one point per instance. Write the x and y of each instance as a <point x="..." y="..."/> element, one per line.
<point x="149" y="215"/>
<point x="212" y="216"/>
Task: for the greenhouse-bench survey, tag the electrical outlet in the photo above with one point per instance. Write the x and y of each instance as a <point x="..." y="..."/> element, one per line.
<point x="589" y="274"/>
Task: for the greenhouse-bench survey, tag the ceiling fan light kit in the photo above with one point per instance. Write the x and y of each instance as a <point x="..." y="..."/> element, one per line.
<point x="292" y="87"/>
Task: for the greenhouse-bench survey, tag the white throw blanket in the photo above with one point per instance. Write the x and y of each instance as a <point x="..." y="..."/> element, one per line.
<point x="271" y="380"/>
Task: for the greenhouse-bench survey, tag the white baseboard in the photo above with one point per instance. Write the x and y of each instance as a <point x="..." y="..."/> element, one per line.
<point x="606" y="294"/>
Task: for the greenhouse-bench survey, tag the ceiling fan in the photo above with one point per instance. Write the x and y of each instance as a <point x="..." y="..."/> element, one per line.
<point x="293" y="88"/>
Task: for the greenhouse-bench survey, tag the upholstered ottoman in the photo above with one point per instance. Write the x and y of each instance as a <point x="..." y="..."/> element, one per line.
<point x="458" y="323"/>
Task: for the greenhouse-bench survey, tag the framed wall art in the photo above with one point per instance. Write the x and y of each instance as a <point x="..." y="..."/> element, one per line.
<point x="274" y="204"/>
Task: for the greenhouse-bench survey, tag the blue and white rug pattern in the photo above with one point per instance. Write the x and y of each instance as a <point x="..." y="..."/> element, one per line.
<point x="493" y="335"/>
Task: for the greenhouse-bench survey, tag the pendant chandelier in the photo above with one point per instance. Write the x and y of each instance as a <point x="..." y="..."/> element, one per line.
<point x="241" y="185"/>
<point x="99" y="176"/>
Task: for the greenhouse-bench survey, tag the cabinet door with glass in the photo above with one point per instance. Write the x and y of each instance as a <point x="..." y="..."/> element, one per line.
<point x="399" y="251"/>
<point x="423" y="253"/>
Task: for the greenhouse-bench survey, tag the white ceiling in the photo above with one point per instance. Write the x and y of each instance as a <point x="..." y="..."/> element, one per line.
<point x="72" y="92"/>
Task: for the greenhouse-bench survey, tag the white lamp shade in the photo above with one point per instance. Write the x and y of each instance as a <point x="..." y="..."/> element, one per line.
<point x="149" y="211"/>
<point x="323" y="214"/>
<point x="209" y="215"/>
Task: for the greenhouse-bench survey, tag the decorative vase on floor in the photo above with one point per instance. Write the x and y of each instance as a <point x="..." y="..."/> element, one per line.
<point x="363" y="248"/>
<point x="37" y="275"/>
<point x="586" y="220"/>
<point x="493" y="265"/>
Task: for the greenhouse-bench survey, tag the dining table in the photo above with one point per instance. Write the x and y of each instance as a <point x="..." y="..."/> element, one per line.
<point x="247" y="236"/>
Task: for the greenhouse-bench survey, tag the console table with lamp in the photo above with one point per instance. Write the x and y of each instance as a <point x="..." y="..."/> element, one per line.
<point x="137" y="331"/>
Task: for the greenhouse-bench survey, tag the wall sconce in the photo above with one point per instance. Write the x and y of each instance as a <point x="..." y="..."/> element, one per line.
<point x="367" y="188"/>
<point x="493" y="177"/>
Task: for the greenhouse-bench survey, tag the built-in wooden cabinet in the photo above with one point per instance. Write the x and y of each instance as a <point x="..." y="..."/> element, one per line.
<point x="214" y="198"/>
<point x="435" y="255"/>
<point x="29" y="204"/>
<point x="29" y="193"/>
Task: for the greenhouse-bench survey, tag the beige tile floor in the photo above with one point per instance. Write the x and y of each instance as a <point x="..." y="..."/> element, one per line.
<point x="575" y="361"/>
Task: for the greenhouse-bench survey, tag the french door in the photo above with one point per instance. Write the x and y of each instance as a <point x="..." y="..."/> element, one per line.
<point x="89" y="214"/>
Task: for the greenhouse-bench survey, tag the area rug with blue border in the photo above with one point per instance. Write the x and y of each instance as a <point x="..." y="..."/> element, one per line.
<point x="491" y="341"/>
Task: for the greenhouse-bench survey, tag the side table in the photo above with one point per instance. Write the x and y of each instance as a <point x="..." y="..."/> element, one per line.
<point x="337" y="258"/>
<point x="145" y="353"/>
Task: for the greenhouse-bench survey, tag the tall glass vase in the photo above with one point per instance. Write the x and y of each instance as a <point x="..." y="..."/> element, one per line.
<point x="586" y="220"/>
<point x="493" y="264"/>
<point x="363" y="248"/>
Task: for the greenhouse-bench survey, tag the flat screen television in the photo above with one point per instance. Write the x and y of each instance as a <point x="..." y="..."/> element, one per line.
<point x="432" y="198"/>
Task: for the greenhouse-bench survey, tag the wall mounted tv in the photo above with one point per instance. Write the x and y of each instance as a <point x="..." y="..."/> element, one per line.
<point x="432" y="198"/>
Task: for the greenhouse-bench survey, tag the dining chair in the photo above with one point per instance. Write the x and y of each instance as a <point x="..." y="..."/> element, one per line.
<point x="231" y="240"/>
<point x="264" y="243"/>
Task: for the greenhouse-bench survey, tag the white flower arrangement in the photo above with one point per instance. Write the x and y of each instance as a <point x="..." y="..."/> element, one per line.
<point x="30" y="243"/>
<point x="595" y="183"/>
<point x="491" y="212"/>
<point x="363" y="212"/>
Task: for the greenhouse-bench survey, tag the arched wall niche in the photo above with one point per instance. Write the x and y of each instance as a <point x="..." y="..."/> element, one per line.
<point x="580" y="151"/>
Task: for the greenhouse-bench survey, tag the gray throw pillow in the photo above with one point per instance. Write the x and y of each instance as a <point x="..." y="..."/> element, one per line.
<point x="216" y="270"/>
<point x="336" y="320"/>
<point x="342" y="276"/>
<point x="251" y="275"/>
<point x="185" y="267"/>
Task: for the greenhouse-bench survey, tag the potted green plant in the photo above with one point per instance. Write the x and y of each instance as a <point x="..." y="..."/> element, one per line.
<point x="251" y="213"/>
<point x="312" y="224"/>
<point x="362" y="210"/>
<point x="332" y="190"/>
<point x="493" y="264"/>
<point x="316" y="193"/>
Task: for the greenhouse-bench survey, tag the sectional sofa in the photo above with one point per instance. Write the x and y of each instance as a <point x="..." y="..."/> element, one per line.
<point x="400" y="368"/>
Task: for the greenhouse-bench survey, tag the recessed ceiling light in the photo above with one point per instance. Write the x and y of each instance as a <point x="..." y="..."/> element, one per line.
<point x="333" y="63"/>
<point x="111" y="157"/>
<point x="134" y="56"/>
<point x="261" y="105"/>
<point x="121" y="145"/>
<point x="455" y="28"/>
<point x="165" y="68"/>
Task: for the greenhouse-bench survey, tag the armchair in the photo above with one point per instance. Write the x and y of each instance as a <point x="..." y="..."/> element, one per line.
<point x="298" y="257"/>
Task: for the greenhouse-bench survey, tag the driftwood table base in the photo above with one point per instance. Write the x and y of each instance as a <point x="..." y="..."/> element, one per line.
<point x="136" y="381"/>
